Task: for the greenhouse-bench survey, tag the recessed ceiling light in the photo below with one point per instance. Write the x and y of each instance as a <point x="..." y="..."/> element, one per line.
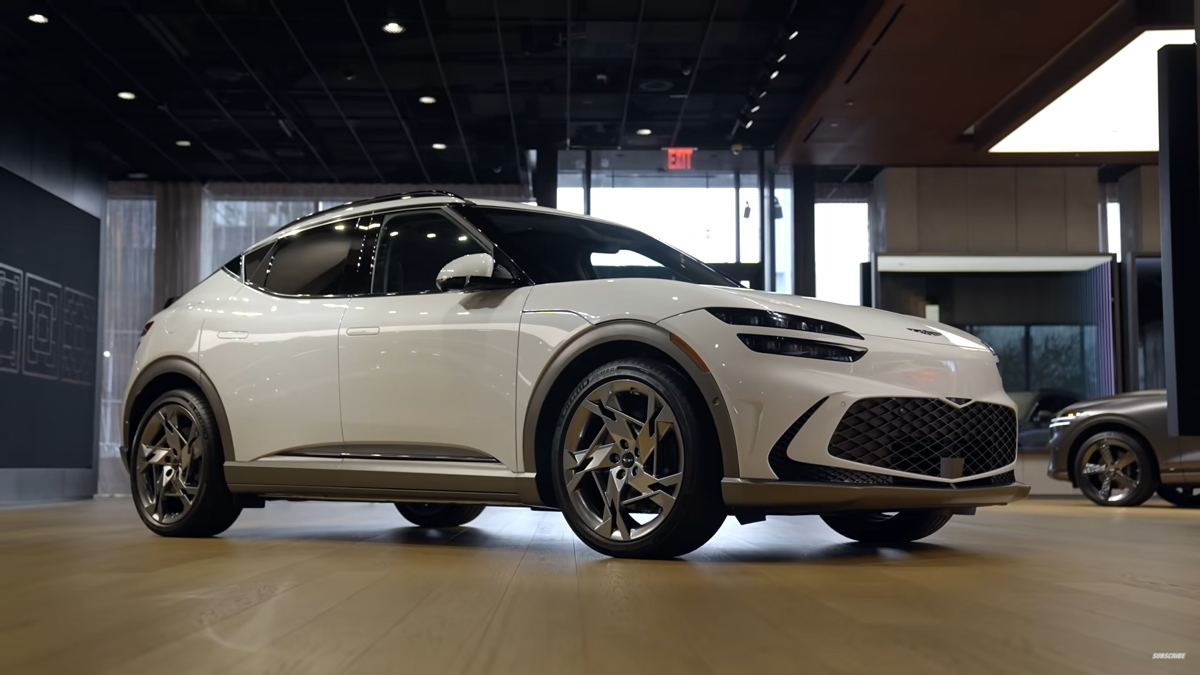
<point x="137" y="175"/>
<point x="432" y="235"/>
<point x="781" y="58"/>
<point x="439" y="146"/>
<point x="643" y="132"/>
<point x="463" y="238"/>
<point x="393" y="233"/>
<point x="755" y="108"/>
<point x="427" y="100"/>
<point x="774" y="74"/>
<point x="126" y="95"/>
<point x="184" y="144"/>
<point x="749" y="124"/>
<point x="793" y="35"/>
<point x="762" y="93"/>
<point x="38" y="18"/>
<point x="1084" y="118"/>
<point x="393" y="28"/>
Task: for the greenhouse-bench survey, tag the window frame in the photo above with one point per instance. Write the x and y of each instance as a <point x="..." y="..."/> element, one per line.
<point x="352" y="221"/>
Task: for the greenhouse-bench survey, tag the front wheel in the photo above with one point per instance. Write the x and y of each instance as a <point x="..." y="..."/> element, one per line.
<point x="900" y="527"/>
<point x="1114" y="469"/>
<point x="636" y="468"/>
<point x="1186" y="496"/>
<point x="439" y="515"/>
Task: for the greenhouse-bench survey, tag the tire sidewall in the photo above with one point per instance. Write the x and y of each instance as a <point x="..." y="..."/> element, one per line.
<point x="1147" y="482"/>
<point x="697" y="453"/>
<point x="211" y="478"/>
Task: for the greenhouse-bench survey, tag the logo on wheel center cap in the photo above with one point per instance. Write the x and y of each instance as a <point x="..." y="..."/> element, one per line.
<point x="627" y="460"/>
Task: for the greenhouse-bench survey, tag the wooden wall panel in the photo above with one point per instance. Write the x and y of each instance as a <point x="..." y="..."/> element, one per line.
<point x="991" y="211"/>
<point x="899" y="210"/>
<point x="942" y="210"/>
<point x="1041" y="211"/>
<point x="1081" y="190"/>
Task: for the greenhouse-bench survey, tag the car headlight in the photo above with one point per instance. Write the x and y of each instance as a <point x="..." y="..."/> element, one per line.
<point x="806" y="349"/>
<point x="1064" y="420"/>
<point x="764" y="319"/>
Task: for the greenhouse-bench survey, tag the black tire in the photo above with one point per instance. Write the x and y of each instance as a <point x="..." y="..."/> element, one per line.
<point x="901" y="527"/>
<point x="696" y="508"/>
<point x="1091" y="470"/>
<point x="439" y="515"/>
<point x="1185" y="496"/>
<point x="213" y="508"/>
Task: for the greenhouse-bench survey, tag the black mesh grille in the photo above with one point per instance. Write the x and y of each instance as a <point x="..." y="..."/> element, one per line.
<point x="777" y="458"/>
<point x="915" y="435"/>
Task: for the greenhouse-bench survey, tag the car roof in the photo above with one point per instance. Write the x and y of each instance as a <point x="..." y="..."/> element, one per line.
<point x="413" y="200"/>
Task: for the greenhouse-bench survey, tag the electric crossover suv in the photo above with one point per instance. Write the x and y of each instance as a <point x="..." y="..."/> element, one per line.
<point x="445" y="354"/>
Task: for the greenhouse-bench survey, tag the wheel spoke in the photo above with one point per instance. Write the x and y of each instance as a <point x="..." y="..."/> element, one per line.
<point x="1106" y="488"/>
<point x="1130" y="457"/>
<point x="1093" y="469"/>
<point x="1106" y="455"/>
<point x="600" y="458"/>
<point x="1124" y="481"/>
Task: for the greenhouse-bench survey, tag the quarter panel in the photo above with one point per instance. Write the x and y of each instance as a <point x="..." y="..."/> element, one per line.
<point x="542" y="334"/>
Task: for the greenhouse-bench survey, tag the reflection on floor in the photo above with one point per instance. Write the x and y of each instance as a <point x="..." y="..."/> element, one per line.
<point x="1038" y="587"/>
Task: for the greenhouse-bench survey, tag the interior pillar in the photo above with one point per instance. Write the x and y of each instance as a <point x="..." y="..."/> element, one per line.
<point x="545" y="178"/>
<point x="804" y="219"/>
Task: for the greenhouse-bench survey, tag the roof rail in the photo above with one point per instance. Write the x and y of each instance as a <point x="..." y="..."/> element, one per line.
<point x="384" y="198"/>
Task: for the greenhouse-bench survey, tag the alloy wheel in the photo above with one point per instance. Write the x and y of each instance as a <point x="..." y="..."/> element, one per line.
<point x="169" y="464"/>
<point x="1112" y="468"/>
<point x="624" y="459"/>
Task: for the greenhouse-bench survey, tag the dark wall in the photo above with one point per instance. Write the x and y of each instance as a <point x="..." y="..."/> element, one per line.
<point x="49" y="283"/>
<point x="1047" y="298"/>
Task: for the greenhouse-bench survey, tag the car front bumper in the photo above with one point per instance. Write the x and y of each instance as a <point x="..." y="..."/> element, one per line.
<point x="1059" y="449"/>
<point x="784" y="498"/>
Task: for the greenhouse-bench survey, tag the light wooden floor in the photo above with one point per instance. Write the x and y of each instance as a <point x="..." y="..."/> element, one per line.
<point x="1038" y="587"/>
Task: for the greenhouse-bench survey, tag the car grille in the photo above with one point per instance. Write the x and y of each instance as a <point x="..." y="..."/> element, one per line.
<point x="927" y="437"/>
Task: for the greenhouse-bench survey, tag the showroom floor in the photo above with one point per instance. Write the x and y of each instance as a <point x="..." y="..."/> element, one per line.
<point x="1041" y="586"/>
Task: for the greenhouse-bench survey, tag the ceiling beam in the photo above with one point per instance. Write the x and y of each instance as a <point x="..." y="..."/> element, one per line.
<point x="637" y="38"/>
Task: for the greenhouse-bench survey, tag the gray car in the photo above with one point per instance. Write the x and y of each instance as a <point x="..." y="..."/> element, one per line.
<point x="1117" y="452"/>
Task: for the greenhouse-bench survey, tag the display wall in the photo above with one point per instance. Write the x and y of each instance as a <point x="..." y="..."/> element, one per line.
<point x="49" y="275"/>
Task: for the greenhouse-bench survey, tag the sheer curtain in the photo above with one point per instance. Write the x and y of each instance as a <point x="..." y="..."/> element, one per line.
<point x="127" y="288"/>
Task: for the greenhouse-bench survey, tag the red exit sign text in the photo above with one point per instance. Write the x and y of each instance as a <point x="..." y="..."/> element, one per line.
<point x="679" y="159"/>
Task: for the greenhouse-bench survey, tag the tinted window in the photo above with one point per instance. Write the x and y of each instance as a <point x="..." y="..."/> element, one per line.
<point x="322" y="260"/>
<point x="550" y="247"/>
<point x="234" y="266"/>
<point x="254" y="264"/>
<point x="414" y="247"/>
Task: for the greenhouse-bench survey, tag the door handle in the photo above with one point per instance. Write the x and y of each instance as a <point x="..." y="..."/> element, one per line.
<point x="233" y="335"/>
<point x="363" y="330"/>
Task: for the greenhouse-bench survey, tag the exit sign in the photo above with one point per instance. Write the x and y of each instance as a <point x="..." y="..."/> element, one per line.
<point x="679" y="159"/>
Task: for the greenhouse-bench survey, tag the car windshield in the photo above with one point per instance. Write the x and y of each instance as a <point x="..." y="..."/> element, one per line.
<point x="551" y="248"/>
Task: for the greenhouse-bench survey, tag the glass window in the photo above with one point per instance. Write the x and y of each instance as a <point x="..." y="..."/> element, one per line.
<point x="316" y="261"/>
<point x="234" y="266"/>
<point x="553" y="248"/>
<point x="842" y="244"/>
<point x="414" y="247"/>
<point x="253" y="265"/>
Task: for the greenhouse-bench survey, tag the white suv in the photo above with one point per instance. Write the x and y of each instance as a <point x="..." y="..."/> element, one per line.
<point x="444" y="354"/>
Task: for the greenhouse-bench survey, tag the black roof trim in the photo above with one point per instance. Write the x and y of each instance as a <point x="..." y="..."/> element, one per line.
<point x="376" y="200"/>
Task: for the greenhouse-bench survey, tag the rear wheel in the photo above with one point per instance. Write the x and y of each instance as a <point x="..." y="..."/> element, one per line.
<point x="439" y="515"/>
<point x="177" y="475"/>
<point x="1187" y="496"/>
<point x="899" y="527"/>
<point x="636" y="471"/>
<point x="1113" y="469"/>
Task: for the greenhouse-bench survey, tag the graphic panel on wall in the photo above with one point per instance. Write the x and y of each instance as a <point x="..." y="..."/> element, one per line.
<point x="43" y="314"/>
<point x="11" y="290"/>
<point x="78" y="337"/>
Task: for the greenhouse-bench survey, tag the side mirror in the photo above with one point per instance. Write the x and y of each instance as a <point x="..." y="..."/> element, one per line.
<point x="1043" y="416"/>
<point x="474" y="272"/>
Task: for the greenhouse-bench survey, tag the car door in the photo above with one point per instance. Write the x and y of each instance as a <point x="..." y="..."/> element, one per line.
<point x="427" y="374"/>
<point x="272" y="350"/>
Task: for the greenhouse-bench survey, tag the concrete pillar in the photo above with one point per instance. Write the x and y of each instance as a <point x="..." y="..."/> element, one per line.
<point x="1137" y="192"/>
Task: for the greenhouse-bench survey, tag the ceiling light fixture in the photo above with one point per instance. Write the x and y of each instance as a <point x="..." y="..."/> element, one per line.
<point x="126" y="95"/>
<point x="184" y="144"/>
<point x="432" y="235"/>
<point x="439" y="146"/>
<point x="749" y="124"/>
<point x="762" y="93"/>
<point x="774" y="74"/>
<point x="781" y="58"/>
<point x="755" y="108"/>
<point x="393" y="28"/>
<point x="793" y="35"/>
<point x="427" y="100"/>
<point x="643" y="132"/>
<point x="462" y="238"/>
<point x="38" y="18"/>
<point x="1088" y="118"/>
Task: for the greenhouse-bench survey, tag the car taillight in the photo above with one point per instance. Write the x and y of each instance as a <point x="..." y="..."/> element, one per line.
<point x="146" y="329"/>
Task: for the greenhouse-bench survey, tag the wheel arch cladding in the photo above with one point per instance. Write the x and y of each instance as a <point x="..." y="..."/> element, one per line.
<point x="164" y="375"/>
<point x="592" y="349"/>
<point x="1103" y="427"/>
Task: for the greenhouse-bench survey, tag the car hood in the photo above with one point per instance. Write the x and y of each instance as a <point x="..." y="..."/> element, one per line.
<point x="654" y="300"/>
<point x="1131" y="398"/>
